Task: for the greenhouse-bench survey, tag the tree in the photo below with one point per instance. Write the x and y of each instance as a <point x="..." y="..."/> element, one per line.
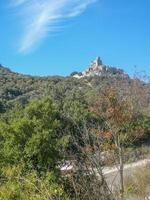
<point x="86" y="181"/>
<point x="76" y="73"/>
<point x="30" y="144"/>
<point x="32" y="135"/>
<point x="2" y="107"/>
<point x="122" y="121"/>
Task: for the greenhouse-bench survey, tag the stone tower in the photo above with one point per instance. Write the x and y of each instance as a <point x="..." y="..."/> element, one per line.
<point x="98" y="61"/>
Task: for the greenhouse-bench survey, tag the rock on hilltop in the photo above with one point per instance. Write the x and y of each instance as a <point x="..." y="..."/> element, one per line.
<point x="97" y="68"/>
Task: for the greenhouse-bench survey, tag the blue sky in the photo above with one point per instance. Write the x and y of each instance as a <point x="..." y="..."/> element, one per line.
<point x="49" y="37"/>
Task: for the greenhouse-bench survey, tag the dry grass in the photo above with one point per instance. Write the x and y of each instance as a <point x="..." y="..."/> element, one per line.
<point x="138" y="184"/>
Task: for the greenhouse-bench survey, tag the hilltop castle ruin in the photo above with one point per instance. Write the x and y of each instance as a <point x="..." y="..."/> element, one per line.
<point x="97" y="68"/>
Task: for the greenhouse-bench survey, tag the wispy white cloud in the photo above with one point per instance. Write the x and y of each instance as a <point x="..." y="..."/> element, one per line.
<point x="41" y="16"/>
<point x="18" y="2"/>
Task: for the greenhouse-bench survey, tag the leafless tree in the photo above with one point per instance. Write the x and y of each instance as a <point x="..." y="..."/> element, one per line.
<point x="86" y="179"/>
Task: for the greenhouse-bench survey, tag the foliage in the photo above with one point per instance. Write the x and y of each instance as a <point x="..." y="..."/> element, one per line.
<point x="76" y="73"/>
<point x="16" y="184"/>
<point x="30" y="145"/>
<point x="31" y="135"/>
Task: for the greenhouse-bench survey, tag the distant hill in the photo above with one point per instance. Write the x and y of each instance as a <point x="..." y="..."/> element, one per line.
<point x="18" y="87"/>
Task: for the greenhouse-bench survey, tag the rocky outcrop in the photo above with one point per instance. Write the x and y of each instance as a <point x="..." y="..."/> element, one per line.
<point x="97" y="68"/>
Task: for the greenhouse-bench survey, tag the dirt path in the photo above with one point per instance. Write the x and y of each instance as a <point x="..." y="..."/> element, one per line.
<point x="112" y="174"/>
<point x="109" y="170"/>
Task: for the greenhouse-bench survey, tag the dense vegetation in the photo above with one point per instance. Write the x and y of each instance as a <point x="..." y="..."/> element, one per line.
<point x="17" y="87"/>
<point x="45" y="121"/>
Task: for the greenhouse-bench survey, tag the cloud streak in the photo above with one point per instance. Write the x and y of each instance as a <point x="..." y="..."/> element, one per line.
<point x="41" y="17"/>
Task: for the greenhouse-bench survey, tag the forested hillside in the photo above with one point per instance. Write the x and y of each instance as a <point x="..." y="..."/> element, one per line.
<point x="17" y="87"/>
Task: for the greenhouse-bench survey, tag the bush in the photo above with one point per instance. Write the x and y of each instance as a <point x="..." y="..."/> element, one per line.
<point x="15" y="184"/>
